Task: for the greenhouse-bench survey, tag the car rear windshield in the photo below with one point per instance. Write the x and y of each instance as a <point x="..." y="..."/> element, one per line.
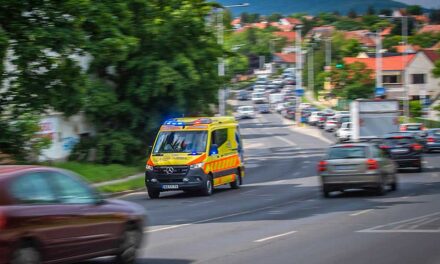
<point x="436" y="132"/>
<point x="413" y="127"/>
<point x="351" y="152"/>
<point x="398" y="141"/>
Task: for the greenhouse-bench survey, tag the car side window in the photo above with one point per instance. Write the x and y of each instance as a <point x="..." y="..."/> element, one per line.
<point x="219" y="137"/>
<point x="72" y="191"/>
<point x="375" y="152"/>
<point x="33" y="188"/>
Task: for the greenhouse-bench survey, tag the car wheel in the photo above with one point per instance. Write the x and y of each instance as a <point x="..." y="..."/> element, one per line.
<point x="153" y="194"/>
<point x="325" y="192"/>
<point x="381" y="188"/>
<point x="128" y="247"/>
<point x="26" y="255"/>
<point x="237" y="183"/>
<point x="208" y="189"/>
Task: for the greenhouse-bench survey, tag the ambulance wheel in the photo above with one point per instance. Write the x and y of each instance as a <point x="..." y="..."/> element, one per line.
<point x="209" y="187"/>
<point x="237" y="183"/>
<point x="153" y="194"/>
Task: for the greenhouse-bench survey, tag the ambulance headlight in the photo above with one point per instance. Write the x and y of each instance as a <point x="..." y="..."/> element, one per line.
<point x="149" y="167"/>
<point x="196" y="166"/>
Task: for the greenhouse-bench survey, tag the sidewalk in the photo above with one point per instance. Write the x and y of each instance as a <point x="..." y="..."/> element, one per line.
<point x="96" y="185"/>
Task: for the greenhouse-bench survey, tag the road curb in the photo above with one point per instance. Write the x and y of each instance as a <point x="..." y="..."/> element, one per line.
<point x="118" y="194"/>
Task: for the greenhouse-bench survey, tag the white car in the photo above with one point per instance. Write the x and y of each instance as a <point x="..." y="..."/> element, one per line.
<point x="344" y="132"/>
<point x="314" y="118"/>
<point x="331" y="124"/>
<point x="259" y="98"/>
<point x="304" y="105"/>
<point x="281" y="106"/>
<point x="245" y="111"/>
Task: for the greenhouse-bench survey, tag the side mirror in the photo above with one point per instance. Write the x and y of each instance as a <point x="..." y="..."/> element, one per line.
<point x="213" y="150"/>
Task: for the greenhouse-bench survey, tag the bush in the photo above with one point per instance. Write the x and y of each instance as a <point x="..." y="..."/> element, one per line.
<point x="415" y="108"/>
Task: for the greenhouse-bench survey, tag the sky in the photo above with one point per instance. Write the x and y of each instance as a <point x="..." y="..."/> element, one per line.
<point x="424" y="3"/>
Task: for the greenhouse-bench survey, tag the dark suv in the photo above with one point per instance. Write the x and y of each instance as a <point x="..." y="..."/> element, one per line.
<point x="404" y="148"/>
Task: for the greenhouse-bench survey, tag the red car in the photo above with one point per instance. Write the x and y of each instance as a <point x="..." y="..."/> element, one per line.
<point x="51" y="216"/>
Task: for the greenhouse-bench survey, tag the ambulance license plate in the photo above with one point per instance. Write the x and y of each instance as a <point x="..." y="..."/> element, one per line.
<point x="170" y="187"/>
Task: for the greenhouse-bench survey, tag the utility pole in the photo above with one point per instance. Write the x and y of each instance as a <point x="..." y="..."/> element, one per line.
<point x="299" y="84"/>
<point x="378" y="62"/>
<point x="328" y="60"/>
<point x="311" y="69"/>
<point x="405" y="61"/>
<point x="221" y="60"/>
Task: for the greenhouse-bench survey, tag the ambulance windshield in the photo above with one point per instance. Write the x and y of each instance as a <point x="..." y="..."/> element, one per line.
<point x="192" y="142"/>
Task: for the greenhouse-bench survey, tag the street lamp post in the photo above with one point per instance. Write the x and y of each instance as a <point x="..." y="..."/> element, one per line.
<point x="221" y="60"/>
<point x="404" y="61"/>
<point x="299" y="89"/>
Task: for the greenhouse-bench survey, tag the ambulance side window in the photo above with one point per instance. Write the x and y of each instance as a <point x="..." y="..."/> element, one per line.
<point x="219" y="137"/>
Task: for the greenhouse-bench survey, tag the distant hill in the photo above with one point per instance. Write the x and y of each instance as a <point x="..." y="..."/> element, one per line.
<point x="312" y="7"/>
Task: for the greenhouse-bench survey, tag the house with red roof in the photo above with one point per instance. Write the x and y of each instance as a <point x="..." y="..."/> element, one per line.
<point x="289" y="36"/>
<point x="365" y="37"/>
<point x="291" y="21"/>
<point x="430" y="28"/>
<point x="284" y="60"/>
<point x="412" y="71"/>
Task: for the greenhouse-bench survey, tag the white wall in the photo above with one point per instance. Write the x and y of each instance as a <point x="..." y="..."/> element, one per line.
<point x="64" y="133"/>
<point x="422" y="65"/>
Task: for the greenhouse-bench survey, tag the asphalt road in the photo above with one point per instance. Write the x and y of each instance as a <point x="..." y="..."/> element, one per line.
<point x="279" y="216"/>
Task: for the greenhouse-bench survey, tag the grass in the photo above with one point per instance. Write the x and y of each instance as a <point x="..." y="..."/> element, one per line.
<point x="132" y="184"/>
<point x="94" y="173"/>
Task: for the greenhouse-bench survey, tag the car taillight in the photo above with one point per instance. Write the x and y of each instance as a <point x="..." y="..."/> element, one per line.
<point x="417" y="147"/>
<point x="372" y="164"/>
<point x="322" y="165"/>
<point x="431" y="139"/>
<point x="403" y="128"/>
<point x="384" y="147"/>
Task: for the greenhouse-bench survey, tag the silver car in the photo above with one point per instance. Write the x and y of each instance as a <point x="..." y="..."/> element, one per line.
<point x="357" y="166"/>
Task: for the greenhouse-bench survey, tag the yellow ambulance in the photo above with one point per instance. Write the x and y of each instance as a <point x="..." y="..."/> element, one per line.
<point x="195" y="154"/>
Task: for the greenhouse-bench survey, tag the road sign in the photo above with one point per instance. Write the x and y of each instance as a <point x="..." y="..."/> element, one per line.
<point x="299" y="92"/>
<point x="380" y="91"/>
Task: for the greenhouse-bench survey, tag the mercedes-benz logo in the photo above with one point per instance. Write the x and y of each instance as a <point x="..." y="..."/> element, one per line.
<point x="169" y="170"/>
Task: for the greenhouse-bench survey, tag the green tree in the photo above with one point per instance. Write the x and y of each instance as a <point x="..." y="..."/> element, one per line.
<point x="415" y="108"/>
<point x="371" y="10"/>
<point x="275" y="17"/>
<point x="353" y="82"/>
<point x="352" y="13"/>
<point x="41" y="40"/>
<point x="414" y="10"/>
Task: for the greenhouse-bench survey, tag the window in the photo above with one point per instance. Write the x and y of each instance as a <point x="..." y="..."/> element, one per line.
<point x="418" y="78"/>
<point x="72" y="191"/>
<point x="391" y="79"/>
<point x="346" y="153"/>
<point x="375" y="152"/>
<point x="33" y="188"/>
<point x="219" y="137"/>
<point x="181" y="142"/>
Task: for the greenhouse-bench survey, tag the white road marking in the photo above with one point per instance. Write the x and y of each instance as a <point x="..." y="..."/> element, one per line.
<point x="361" y="212"/>
<point x="291" y="143"/>
<point x="273" y="237"/>
<point x="401" y="231"/>
<point x="377" y="229"/>
<point x="146" y="230"/>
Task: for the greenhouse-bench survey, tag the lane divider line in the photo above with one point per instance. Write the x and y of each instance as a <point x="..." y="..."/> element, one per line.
<point x="273" y="237"/>
<point x="361" y="212"/>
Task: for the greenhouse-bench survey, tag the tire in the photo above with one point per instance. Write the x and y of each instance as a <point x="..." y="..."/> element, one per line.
<point x="208" y="189"/>
<point x="394" y="184"/>
<point x="238" y="181"/>
<point x="381" y="188"/>
<point x="325" y="192"/>
<point x="153" y="194"/>
<point x="26" y="255"/>
<point x="128" y="247"/>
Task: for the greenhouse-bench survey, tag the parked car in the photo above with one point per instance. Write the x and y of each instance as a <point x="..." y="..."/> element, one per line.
<point x="243" y="95"/>
<point x="264" y="108"/>
<point x="405" y="148"/>
<point x="432" y="141"/>
<point x="245" y="111"/>
<point x="344" y="132"/>
<point x="289" y="112"/>
<point x="323" y="119"/>
<point x="356" y="165"/>
<point x="259" y="97"/>
<point x="314" y="118"/>
<point x="342" y="118"/>
<point x="49" y="215"/>
<point x="331" y="124"/>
